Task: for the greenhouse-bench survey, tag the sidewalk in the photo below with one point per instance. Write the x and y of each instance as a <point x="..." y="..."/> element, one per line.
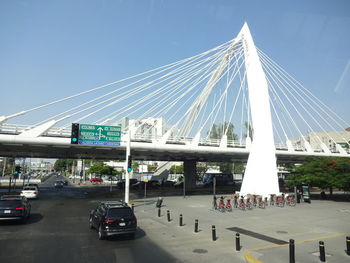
<point x="306" y="224"/>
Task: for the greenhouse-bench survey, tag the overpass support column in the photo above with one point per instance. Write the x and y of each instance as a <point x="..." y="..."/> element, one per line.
<point x="190" y="172"/>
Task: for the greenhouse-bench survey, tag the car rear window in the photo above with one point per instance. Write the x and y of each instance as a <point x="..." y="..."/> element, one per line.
<point x="29" y="189"/>
<point x="10" y="203"/>
<point x="119" y="212"/>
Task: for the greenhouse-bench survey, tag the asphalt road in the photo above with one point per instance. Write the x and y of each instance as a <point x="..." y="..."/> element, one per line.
<point x="57" y="231"/>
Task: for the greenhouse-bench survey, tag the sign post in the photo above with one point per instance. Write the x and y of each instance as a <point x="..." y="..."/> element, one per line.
<point x="127" y="172"/>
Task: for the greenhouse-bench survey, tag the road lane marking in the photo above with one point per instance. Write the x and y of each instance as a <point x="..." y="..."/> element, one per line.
<point x="251" y="259"/>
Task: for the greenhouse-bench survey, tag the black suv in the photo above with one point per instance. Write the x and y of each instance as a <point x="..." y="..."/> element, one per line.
<point x="113" y="218"/>
<point x="14" y="207"/>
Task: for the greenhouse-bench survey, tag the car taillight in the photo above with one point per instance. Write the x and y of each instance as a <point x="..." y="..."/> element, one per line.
<point x="134" y="220"/>
<point x="20" y="208"/>
<point x="108" y="220"/>
<point x="35" y="193"/>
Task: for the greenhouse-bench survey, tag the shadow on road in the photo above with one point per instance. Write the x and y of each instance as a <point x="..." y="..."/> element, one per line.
<point x="34" y="218"/>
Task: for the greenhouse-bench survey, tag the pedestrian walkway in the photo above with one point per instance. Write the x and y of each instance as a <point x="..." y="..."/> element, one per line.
<point x="260" y="230"/>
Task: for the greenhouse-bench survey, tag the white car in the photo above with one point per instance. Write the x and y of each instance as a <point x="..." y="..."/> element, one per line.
<point x="30" y="192"/>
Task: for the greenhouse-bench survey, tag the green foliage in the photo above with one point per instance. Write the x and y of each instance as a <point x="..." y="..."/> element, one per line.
<point x="218" y="130"/>
<point x="239" y="168"/>
<point x="322" y="172"/>
<point x="102" y="169"/>
<point x="226" y="168"/>
<point x="63" y="164"/>
<point x="176" y="169"/>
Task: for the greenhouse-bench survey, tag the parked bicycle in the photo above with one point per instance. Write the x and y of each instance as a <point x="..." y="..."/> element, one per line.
<point x="241" y="203"/>
<point x="228" y="205"/>
<point x="222" y="207"/>
<point x="290" y="200"/>
<point x="255" y="200"/>
<point x="280" y="201"/>
<point x="266" y="201"/>
<point x="261" y="203"/>
<point x="215" y="204"/>
<point x="249" y="204"/>
<point x="235" y="201"/>
<point x="272" y="199"/>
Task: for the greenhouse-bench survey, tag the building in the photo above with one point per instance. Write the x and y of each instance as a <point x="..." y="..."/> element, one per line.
<point x="147" y="128"/>
<point x="330" y="139"/>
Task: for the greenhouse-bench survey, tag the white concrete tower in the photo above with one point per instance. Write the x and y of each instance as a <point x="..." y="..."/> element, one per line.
<point x="261" y="172"/>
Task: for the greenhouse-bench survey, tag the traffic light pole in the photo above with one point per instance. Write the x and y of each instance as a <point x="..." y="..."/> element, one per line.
<point x="127" y="173"/>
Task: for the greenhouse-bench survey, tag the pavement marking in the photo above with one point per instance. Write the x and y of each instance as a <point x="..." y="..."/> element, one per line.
<point x="257" y="235"/>
<point x="249" y="258"/>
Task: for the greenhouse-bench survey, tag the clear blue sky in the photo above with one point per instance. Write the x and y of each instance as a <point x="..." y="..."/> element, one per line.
<point x="52" y="49"/>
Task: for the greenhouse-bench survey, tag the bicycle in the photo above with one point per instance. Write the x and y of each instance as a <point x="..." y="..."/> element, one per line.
<point x="222" y="205"/>
<point x="215" y="204"/>
<point x="249" y="204"/>
<point x="235" y="201"/>
<point x="255" y="202"/>
<point x="272" y="200"/>
<point x="241" y="204"/>
<point x="290" y="200"/>
<point x="280" y="201"/>
<point x="261" y="203"/>
<point x="228" y="205"/>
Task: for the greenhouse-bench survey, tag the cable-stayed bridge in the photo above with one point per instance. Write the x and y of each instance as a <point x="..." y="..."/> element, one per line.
<point x="225" y="104"/>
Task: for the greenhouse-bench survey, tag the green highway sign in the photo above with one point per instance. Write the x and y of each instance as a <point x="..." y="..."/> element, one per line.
<point x="90" y="134"/>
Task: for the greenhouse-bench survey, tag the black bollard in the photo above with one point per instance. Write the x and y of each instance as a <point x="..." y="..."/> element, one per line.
<point x="159" y="212"/>
<point x="180" y="219"/>
<point x="132" y="207"/>
<point x="238" y="242"/>
<point x="168" y="215"/>
<point x="348" y="245"/>
<point x="291" y="251"/>
<point x="196" y="226"/>
<point x="322" y="252"/>
<point x="213" y="233"/>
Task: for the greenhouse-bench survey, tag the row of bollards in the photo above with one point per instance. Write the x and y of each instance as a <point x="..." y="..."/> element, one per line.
<point x="238" y="243"/>
<point x="196" y="224"/>
<point x="321" y="249"/>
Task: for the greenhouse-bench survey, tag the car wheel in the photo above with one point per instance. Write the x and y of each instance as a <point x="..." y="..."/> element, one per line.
<point x="101" y="235"/>
<point x="90" y="223"/>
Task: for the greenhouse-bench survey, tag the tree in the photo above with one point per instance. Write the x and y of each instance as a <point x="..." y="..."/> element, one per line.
<point x="177" y="169"/>
<point x="218" y="130"/>
<point x="102" y="169"/>
<point x="323" y="172"/>
<point x="63" y="165"/>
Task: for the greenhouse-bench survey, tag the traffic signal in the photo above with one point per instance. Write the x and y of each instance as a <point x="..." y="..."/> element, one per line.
<point x="129" y="163"/>
<point x="17" y="169"/>
<point x="75" y="133"/>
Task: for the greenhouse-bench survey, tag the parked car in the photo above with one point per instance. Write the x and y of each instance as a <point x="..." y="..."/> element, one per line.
<point x="96" y="180"/>
<point x="30" y="192"/>
<point x="113" y="218"/>
<point x="14" y="207"/>
<point x="59" y="184"/>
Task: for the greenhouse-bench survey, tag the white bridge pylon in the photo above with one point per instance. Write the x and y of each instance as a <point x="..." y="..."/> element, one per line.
<point x="260" y="175"/>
